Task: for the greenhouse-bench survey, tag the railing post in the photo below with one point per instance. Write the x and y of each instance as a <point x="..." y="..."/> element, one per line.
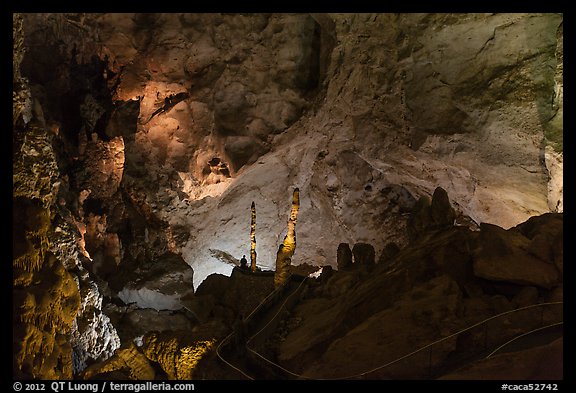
<point x="541" y="316"/>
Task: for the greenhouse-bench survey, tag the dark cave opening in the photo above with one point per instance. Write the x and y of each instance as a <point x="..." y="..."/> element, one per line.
<point x="94" y="206"/>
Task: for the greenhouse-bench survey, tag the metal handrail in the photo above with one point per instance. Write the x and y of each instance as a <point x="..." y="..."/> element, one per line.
<point x="277" y="313"/>
<point x="227" y="362"/>
<point x="523" y="335"/>
<point x="411" y="353"/>
<point x="265" y="326"/>
<point x="261" y="304"/>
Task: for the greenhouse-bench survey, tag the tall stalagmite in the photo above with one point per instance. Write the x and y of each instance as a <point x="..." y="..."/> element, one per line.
<point x="253" y="239"/>
<point x="286" y="249"/>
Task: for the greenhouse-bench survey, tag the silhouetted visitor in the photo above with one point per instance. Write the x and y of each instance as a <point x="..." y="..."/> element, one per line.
<point x="243" y="262"/>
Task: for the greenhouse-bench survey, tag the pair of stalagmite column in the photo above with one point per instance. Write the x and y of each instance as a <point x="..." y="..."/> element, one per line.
<point x="286" y="249"/>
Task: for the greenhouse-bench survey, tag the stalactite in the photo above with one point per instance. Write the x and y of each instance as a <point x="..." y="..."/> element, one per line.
<point x="286" y="249"/>
<point x="32" y="261"/>
<point x="253" y="239"/>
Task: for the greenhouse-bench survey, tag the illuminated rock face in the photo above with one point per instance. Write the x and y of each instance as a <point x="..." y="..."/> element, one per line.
<point x="177" y="355"/>
<point x="59" y="325"/>
<point x="396" y="120"/>
<point x="126" y="362"/>
<point x="288" y="246"/>
<point x="162" y="287"/>
<point x="365" y="113"/>
<point x="164" y="128"/>
<point x="448" y="279"/>
<point x="253" y="238"/>
<point x="57" y="306"/>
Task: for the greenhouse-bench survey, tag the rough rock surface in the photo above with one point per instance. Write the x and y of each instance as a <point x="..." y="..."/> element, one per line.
<point x="177" y="354"/>
<point x="542" y="363"/>
<point x="224" y="298"/>
<point x="493" y="187"/>
<point x="133" y="322"/>
<point x="365" y="113"/>
<point x="180" y="344"/>
<point x="59" y="325"/>
<point x="127" y="363"/>
<point x="505" y="256"/>
<point x="555" y="167"/>
<point x="343" y="256"/>
<point x="51" y="247"/>
<point x="428" y="290"/>
<point x="161" y="287"/>
<point x="152" y="134"/>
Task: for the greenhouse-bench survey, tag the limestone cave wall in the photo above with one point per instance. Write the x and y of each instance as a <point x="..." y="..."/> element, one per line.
<point x="141" y="140"/>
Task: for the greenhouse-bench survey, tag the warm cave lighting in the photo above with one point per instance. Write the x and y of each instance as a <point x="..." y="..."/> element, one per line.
<point x="149" y="148"/>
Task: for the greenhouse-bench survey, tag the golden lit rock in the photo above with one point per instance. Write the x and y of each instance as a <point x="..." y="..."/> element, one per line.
<point x="103" y="167"/>
<point x="286" y="249"/>
<point x="139" y="140"/>
<point x="130" y="361"/>
<point x="177" y="359"/>
<point x="253" y="239"/>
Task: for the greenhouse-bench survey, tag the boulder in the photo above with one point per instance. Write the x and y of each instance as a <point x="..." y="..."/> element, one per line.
<point x="441" y="211"/>
<point x="540" y="363"/>
<point x="364" y="254"/>
<point x="546" y="233"/>
<point x="162" y="286"/>
<point x="503" y="256"/>
<point x="390" y="251"/>
<point x="343" y="256"/>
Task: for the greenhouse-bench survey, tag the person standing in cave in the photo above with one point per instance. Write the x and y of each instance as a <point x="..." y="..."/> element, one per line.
<point x="243" y="262"/>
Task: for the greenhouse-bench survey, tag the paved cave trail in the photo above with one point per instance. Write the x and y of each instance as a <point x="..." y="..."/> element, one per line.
<point x="232" y="358"/>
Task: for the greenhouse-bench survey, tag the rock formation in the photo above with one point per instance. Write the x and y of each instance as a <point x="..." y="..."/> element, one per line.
<point x="178" y="356"/>
<point x="343" y="256"/>
<point x="367" y="113"/>
<point x="288" y="246"/>
<point x="543" y="363"/>
<point x="435" y="286"/>
<point x="431" y="215"/>
<point x="253" y="238"/>
<point x="137" y="138"/>
<point x="505" y="256"/>
<point x="127" y="362"/>
<point x="364" y="254"/>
